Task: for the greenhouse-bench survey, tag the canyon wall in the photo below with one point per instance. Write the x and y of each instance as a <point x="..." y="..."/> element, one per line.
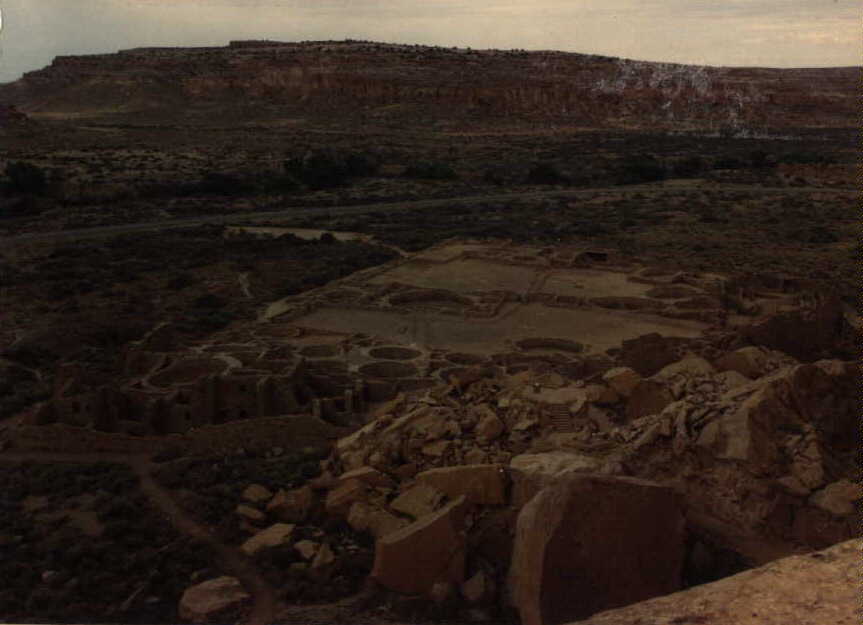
<point x="328" y="77"/>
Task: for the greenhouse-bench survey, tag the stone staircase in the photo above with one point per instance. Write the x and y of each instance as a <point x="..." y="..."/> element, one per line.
<point x="561" y="419"/>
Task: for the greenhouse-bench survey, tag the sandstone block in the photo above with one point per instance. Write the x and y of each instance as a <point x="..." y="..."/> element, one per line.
<point x="368" y="475"/>
<point x="839" y="497"/>
<point x="530" y="473"/>
<point x="340" y="499"/>
<point x="293" y="505"/>
<point x="750" y="362"/>
<point x="428" y="551"/>
<point x="273" y="536"/>
<point x="622" y="380"/>
<point x="489" y="428"/>
<point x="207" y="600"/>
<point x="475" y="456"/>
<point x="418" y="501"/>
<point x="478" y="589"/>
<point x="690" y="367"/>
<point x="590" y="543"/>
<point x="647" y="398"/>
<point x="256" y="493"/>
<point x="601" y="394"/>
<point x="249" y="513"/>
<point x="480" y="483"/>
<point x="307" y="549"/>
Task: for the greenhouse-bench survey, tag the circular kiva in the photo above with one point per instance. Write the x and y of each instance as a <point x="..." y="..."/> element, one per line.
<point x="320" y="351"/>
<point x="388" y="369"/>
<point x="394" y="353"/>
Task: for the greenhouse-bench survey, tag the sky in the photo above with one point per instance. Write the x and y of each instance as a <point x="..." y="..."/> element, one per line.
<point x="772" y="33"/>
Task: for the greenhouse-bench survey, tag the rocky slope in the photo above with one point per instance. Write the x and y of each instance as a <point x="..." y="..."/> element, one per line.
<point x="400" y="82"/>
<point x="484" y="499"/>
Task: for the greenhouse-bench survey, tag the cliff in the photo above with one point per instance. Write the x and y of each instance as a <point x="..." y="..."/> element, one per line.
<point x="334" y="79"/>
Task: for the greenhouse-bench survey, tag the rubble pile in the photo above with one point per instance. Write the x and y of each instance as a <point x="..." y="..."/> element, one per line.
<point x="533" y="491"/>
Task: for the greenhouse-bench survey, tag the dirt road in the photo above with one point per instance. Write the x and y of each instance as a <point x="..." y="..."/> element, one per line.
<point x="392" y="207"/>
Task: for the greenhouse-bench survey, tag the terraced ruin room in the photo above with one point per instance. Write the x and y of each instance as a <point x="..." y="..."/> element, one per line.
<point x="386" y="334"/>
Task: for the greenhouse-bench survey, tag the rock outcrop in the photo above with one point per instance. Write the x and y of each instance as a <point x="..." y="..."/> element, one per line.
<point x="813" y="589"/>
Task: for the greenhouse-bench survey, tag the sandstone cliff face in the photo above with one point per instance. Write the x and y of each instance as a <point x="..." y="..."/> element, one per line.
<point x="575" y="89"/>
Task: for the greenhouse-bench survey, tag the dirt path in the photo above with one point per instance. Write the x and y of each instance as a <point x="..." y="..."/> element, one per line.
<point x="231" y="560"/>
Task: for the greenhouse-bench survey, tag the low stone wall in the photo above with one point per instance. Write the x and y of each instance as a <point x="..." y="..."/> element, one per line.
<point x="288" y="432"/>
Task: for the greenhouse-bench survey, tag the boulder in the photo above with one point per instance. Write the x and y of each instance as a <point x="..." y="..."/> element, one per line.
<point x="418" y="501"/>
<point x="250" y="514"/>
<point x="340" y="499"/>
<point x="750" y="362"/>
<point x="475" y="455"/>
<point x="307" y="549"/>
<point x="273" y="536"/>
<point x="437" y="449"/>
<point x="479" y="588"/>
<point x="647" y="398"/>
<point x="480" y="483"/>
<point x="690" y="367"/>
<point x="324" y="558"/>
<point x="731" y="379"/>
<point x="622" y="380"/>
<point x="256" y="493"/>
<point x="406" y="471"/>
<point x="430" y="550"/>
<point x="363" y="517"/>
<point x="601" y="394"/>
<point x="838" y="498"/>
<point x="812" y="589"/>
<point x="489" y="428"/>
<point x="292" y="506"/>
<point x="207" y="600"/>
<point x="796" y="397"/>
<point x="530" y="473"/>
<point x="368" y="475"/>
<point x="589" y="543"/>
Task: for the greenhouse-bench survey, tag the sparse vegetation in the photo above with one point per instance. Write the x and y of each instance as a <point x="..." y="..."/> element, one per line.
<point x="24" y="177"/>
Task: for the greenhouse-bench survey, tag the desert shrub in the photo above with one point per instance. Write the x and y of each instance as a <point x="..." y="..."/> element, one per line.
<point x="204" y="320"/>
<point x="24" y="177"/>
<point x="181" y="281"/>
<point x="430" y="170"/>
<point x="361" y="164"/>
<point x="210" y="300"/>
<point x="278" y="182"/>
<point x="217" y="183"/>
<point x="759" y="159"/>
<point x="689" y="167"/>
<point x="728" y="162"/>
<point x="813" y="235"/>
<point x="641" y="168"/>
<point x="806" y="158"/>
<point x="545" y="173"/>
<point x="325" y="169"/>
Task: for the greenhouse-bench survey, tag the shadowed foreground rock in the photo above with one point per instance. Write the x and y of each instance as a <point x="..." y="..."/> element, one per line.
<point x="815" y="589"/>
<point x="590" y="542"/>
<point x="209" y="599"/>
